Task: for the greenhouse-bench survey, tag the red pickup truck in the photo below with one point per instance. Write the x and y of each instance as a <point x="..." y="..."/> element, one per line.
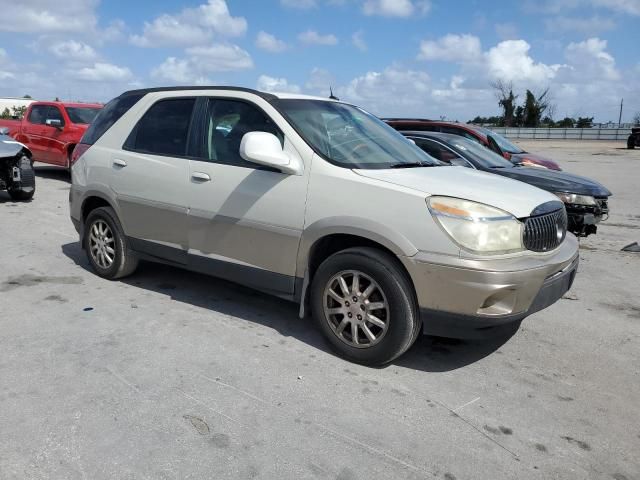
<point x="51" y="130"/>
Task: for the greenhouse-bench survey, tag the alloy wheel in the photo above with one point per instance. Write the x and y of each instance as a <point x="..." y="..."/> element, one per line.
<point x="356" y="308"/>
<point x="102" y="244"/>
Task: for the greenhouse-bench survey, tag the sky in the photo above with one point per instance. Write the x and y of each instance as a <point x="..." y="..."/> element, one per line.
<point x="419" y="58"/>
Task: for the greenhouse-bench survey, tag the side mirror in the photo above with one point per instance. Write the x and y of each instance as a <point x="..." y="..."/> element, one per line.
<point x="265" y="149"/>
<point x="53" y="122"/>
<point x="4" y="131"/>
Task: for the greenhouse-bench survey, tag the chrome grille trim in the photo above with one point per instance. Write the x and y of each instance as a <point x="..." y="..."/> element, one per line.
<point x="544" y="233"/>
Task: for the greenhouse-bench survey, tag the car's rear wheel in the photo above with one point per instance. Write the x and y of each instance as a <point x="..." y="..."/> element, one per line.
<point x="106" y="245"/>
<point x="26" y="188"/>
<point x="631" y="143"/>
<point x="365" y="306"/>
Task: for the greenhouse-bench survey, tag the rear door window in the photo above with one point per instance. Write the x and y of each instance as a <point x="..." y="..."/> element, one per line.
<point x="164" y="129"/>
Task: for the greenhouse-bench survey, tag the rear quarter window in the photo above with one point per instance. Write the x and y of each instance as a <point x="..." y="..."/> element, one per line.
<point x="110" y="114"/>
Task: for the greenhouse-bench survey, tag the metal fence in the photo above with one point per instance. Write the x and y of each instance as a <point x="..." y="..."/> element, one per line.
<point x="564" y="133"/>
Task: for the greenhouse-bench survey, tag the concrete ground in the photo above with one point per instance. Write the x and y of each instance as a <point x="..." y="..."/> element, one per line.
<point x="174" y="375"/>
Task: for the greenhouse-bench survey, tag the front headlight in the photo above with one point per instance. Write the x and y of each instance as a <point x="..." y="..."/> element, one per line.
<point x="576" y="199"/>
<point x="477" y="227"/>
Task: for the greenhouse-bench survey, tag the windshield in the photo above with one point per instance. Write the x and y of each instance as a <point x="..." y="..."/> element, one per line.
<point x="84" y="115"/>
<point x="478" y="153"/>
<point x="504" y="144"/>
<point x="350" y="137"/>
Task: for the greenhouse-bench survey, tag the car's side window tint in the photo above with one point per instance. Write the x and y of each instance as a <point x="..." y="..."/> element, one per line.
<point x="437" y="150"/>
<point x="164" y="128"/>
<point x="55" y="114"/>
<point x="38" y="114"/>
<point x="226" y="122"/>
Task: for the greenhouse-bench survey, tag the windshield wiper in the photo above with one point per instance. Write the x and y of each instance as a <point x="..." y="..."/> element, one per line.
<point x="410" y="165"/>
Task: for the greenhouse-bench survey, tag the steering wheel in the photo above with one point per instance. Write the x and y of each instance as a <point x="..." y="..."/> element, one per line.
<point x="360" y="150"/>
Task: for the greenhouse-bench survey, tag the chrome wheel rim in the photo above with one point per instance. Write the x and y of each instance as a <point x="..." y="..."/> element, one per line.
<point x="356" y="309"/>
<point x="102" y="244"/>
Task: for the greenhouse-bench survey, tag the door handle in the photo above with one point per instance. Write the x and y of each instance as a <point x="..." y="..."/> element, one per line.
<point x="119" y="163"/>
<point x="200" y="177"/>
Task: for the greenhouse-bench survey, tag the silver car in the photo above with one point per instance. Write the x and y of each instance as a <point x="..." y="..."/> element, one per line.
<point x="316" y="201"/>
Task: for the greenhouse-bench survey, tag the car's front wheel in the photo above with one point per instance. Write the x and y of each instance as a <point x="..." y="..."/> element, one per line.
<point x="364" y="304"/>
<point x="26" y="188"/>
<point x="106" y="245"/>
<point x="631" y="143"/>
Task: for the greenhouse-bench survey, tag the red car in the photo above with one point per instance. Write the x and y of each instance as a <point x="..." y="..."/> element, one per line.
<point x="51" y="130"/>
<point x="486" y="137"/>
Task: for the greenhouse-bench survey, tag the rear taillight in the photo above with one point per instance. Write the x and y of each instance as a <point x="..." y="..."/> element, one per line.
<point x="78" y="152"/>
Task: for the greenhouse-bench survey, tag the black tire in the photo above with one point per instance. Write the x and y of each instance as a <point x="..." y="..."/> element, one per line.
<point x="631" y="143"/>
<point x="27" y="187"/>
<point x="125" y="260"/>
<point x="404" y="323"/>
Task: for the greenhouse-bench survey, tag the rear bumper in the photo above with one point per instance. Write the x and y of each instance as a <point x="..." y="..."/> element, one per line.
<point x="478" y="295"/>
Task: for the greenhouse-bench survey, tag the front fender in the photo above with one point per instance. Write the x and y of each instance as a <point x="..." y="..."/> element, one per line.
<point x="361" y="227"/>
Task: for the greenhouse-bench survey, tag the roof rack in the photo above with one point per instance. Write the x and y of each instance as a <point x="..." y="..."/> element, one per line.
<point x="143" y="91"/>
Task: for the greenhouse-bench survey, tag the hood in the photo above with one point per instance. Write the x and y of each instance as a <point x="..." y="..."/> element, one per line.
<point x="9" y="147"/>
<point x="554" y="181"/>
<point x="514" y="197"/>
<point x="539" y="159"/>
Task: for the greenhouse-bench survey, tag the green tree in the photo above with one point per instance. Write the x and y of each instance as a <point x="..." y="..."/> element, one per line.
<point x="534" y="108"/>
<point x="18" y="112"/>
<point x="506" y="100"/>
<point x="566" y="122"/>
<point x="584" y="122"/>
<point x="27" y="96"/>
<point x="6" y="114"/>
<point x="636" y="119"/>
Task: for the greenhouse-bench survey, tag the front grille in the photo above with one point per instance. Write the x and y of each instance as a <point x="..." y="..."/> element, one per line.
<point x="543" y="233"/>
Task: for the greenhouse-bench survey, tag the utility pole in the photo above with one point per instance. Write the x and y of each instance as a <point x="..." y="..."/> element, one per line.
<point x="620" y="117"/>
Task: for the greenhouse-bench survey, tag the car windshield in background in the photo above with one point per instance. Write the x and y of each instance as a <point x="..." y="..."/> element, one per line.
<point x="350" y="137"/>
<point x="504" y="144"/>
<point x="84" y="115"/>
<point x="478" y="153"/>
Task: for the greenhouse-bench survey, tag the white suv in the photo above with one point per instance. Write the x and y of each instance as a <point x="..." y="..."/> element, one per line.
<point x="319" y="202"/>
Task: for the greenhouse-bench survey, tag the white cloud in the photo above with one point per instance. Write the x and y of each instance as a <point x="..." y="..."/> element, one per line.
<point x="202" y="61"/>
<point x="320" y="82"/>
<point x="358" y="41"/>
<point x="451" y="48"/>
<point x="631" y="7"/>
<point x="104" y="72"/>
<point x="590" y="60"/>
<point x="191" y="27"/>
<point x="266" y="41"/>
<point x="393" y="87"/>
<point x="273" y="84"/>
<point x="506" y="31"/>
<point x="396" y="8"/>
<point x="311" y="37"/>
<point x="44" y="16"/>
<point x="71" y="50"/>
<point x="589" y="25"/>
<point x="179" y="72"/>
<point x="510" y="61"/>
<point x="220" y="58"/>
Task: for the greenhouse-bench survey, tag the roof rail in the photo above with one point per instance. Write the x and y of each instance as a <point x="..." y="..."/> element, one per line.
<point x="143" y="91"/>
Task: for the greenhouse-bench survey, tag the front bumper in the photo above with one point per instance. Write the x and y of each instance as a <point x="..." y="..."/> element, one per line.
<point x="464" y="295"/>
<point x="583" y="219"/>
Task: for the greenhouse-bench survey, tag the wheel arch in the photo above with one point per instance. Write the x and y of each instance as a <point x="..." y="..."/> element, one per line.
<point x="327" y="237"/>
